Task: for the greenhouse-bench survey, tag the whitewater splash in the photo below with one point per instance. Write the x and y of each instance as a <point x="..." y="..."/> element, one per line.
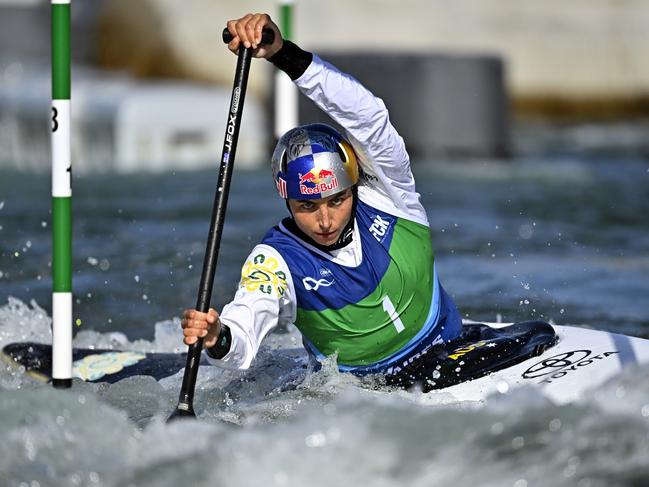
<point x="281" y="423"/>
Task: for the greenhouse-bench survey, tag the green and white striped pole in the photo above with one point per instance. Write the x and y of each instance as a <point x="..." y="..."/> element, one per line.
<point x="61" y="198"/>
<point x="286" y="94"/>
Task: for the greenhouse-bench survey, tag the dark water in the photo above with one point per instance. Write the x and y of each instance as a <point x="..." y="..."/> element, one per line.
<point x="561" y="232"/>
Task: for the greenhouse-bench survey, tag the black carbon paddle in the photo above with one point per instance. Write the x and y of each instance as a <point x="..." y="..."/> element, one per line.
<point x="185" y="407"/>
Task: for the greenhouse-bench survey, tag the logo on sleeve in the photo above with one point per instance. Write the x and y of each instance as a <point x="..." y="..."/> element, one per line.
<point x="261" y="275"/>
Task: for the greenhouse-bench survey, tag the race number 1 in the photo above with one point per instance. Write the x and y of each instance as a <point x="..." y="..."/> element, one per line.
<point x="389" y="308"/>
<point x="61" y="162"/>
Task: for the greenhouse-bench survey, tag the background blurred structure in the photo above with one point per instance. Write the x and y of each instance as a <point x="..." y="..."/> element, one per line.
<point x="122" y="124"/>
<point x="443" y="105"/>
<point x="580" y="57"/>
<point x="575" y="59"/>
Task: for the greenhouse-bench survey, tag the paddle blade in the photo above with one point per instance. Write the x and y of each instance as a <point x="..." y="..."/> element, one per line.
<point x="181" y="413"/>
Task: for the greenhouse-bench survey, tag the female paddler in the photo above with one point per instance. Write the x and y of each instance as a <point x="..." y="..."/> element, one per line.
<point x="352" y="265"/>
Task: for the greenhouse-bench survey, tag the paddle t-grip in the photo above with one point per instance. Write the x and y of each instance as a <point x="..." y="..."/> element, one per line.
<point x="267" y="36"/>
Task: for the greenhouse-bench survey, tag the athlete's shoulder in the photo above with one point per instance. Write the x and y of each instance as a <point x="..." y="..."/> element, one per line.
<point x="377" y="200"/>
<point x="271" y="232"/>
<point x="278" y="236"/>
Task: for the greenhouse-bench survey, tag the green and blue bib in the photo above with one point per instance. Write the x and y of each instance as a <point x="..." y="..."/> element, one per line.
<point x="379" y="313"/>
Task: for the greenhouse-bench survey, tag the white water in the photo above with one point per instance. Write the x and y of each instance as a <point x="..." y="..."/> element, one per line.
<point x="547" y="238"/>
<point x="279" y="424"/>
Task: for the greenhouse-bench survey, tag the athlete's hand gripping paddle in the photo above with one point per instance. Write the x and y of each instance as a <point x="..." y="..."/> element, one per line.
<point x="185" y="407"/>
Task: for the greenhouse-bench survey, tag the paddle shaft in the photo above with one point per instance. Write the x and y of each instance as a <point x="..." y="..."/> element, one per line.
<point x="185" y="405"/>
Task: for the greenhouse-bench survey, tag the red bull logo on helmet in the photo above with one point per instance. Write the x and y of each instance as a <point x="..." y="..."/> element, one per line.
<point x="317" y="181"/>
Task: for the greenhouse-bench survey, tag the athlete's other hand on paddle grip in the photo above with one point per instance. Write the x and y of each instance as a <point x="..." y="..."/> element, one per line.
<point x="196" y="324"/>
<point x="248" y="29"/>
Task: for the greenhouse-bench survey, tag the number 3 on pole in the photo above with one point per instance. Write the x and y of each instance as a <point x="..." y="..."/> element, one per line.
<point x="55" y="122"/>
<point x="389" y="308"/>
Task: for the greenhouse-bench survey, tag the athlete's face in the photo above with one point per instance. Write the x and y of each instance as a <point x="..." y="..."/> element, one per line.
<point x="323" y="219"/>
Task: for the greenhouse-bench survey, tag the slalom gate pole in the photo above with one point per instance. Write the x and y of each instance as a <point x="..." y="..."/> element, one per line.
<point x="61" y="198"/>
<point x="185" y="407"/>
<point x="286" y="94"/>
